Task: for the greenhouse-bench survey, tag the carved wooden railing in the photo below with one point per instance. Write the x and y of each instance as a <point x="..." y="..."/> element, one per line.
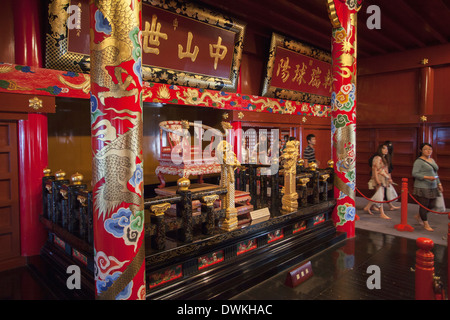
<point x="67" y="205"/>
<point x="183" y="220"/>
<point x="312" y="185"/>
<point x="67" y="208"/>
<point x="254" y="178"/>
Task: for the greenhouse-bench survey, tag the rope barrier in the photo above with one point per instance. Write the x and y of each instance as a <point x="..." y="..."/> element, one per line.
<point x="409" y="193"/>
<point x="377" y="201"/>
<point x="426" y="207"/>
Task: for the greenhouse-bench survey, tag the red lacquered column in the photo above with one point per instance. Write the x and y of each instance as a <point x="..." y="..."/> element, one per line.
<point x="404" y="226"/>
<point x="116" y="133"/>
<point x="343" y="16"/>
<point x="237" y="139"/>
<point x="32" y="133"/>
<point x="424" y="275"/>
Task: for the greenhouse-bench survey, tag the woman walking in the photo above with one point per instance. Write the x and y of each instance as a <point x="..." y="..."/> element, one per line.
<point x="381" y="180"/>
<point x="427" y="185"/>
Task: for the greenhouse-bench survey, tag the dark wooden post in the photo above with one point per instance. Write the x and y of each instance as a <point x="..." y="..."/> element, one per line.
<point x="56" y="196"/>
<point x="184" y="210"/>
<point x="208" y="210"/>
<point x="157" y="218"/>
<point x="324" y="186"/>
<point x="81" y="221"/>
<point x="275" y="191"/>
<point x="315" y="182"/>
<point x="303" y="192"/>
<point x="252" y="185"/>
<point x="73" y="213"/>
<point x="47" y="181"/>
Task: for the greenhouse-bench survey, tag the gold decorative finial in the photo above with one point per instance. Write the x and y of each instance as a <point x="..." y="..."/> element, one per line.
<point x="209" y="200"/>
<point x="423" y="118"/>
<point x="424" y="61"/>
<point x="312" y="166"/>
<point x="304" y="119"/>
<point x="240" y="115"/>
<point x="60" y="175"/>
<point x="47" y="172"/>
<point x="77" y="178"/>
<point x="183" y="184"/>
<point x="303" y="181"/>
<point x="35" y="103"/>
<point x="225" y="115"/>
<point x="159" y="209"/>
<point x="330" y="163"/>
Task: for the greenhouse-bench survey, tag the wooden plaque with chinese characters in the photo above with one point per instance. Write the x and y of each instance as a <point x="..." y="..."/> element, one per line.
<point x="298" y="72"/>
<point x="182" y="43"/>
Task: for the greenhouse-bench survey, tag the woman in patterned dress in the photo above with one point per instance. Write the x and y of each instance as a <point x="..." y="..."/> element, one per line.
<point x="381" y="180"/>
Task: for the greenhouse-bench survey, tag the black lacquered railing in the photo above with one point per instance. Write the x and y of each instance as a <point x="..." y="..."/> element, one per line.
<point x="266" y="189"/>
<point x="183" y="222"/>
<point x="68" y="205"/>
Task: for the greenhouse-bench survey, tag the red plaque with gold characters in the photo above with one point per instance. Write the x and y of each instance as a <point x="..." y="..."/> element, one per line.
<point x="182" y="43"/>
<point x="298" y="72"/>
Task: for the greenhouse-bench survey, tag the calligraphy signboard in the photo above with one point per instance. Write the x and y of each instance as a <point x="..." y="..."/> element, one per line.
<point x="298" y="72"/>
<point x="182" y="43"/>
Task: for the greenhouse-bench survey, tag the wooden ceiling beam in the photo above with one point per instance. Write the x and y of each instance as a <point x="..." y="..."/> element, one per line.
<point x="410" y="12"/>
<point x="307" y="21"/>
<point x="296" y="12"/>
<point x="253" y="12"/>
<point x="392" y="24"/>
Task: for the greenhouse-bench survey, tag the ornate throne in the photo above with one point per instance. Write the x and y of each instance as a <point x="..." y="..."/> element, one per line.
<point x="182" y="153"/>
<point x="180" y="156"/>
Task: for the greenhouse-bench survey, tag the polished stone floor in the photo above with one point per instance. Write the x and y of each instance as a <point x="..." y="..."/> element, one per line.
<point x="340" y="273"/>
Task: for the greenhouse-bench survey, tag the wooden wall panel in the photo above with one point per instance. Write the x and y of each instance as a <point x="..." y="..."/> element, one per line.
<point x="388" y="98"/>
<point x="441" y="83"/>
<point x="251" y="74"/>
<point x="254" y="61"/>
<point x="7" y="28"/>
<point x="394" y="91"/>
<point x="441" y="154"/>
<point x="69" y="138"/>
<point x="405" y="152"/>
<point x="323" y="144"/>
<point x="9" y="193"/>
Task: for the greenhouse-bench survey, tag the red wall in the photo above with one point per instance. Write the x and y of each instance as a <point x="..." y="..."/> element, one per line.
<point x="394" y="91"/>
<point x="7" y="28"/>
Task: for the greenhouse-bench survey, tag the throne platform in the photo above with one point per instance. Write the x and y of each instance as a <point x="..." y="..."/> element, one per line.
<point x="180" y="156"/>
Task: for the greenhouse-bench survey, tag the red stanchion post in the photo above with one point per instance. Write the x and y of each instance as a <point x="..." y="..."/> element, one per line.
<point x="424" y="270"/>
<point x="404" y="226"/>
<point x="448" y="258"/>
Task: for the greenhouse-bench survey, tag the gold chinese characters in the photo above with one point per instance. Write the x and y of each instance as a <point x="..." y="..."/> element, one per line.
<point x="304" y="74"/>
<point x="153" y="33"/>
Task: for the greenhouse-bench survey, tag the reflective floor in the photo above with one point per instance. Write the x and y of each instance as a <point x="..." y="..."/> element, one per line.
<point x="340" y="273"/>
